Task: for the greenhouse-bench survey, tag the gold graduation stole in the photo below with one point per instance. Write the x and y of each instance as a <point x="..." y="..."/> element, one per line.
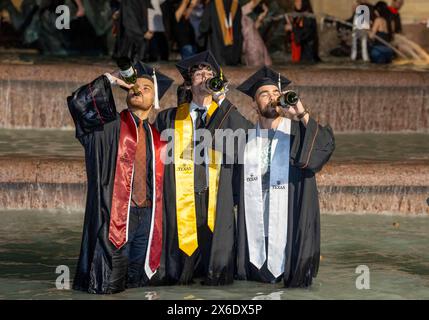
<point x="226" y="23"/>
<point x="184" y="174"/>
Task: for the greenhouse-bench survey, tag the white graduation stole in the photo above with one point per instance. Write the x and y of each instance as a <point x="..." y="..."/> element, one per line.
<point x="278" y="201"/>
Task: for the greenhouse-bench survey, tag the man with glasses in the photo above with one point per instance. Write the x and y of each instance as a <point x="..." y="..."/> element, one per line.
<point x="198" y="187"/>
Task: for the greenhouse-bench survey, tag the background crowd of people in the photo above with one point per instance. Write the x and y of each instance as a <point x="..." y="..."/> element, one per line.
<point x="377" y="44"/>
<point x="238" y="32"/>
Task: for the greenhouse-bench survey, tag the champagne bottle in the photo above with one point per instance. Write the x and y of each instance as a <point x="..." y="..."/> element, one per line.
<point x="215" y="84"/>
<point x="128" y="73"/>
<point x="288" y="99"/>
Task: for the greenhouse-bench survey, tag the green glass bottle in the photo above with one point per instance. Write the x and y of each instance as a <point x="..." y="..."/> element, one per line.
<point x="128" y="73"/>
<point x="287" y="100"/>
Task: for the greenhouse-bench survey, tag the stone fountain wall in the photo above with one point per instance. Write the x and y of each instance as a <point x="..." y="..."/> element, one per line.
<point x="33" y="97"/>
<point x="369" y="188"/>
<point x="349" y="100"/>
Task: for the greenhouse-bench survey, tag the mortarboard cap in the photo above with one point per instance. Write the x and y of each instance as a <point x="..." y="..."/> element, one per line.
<point x="205" y="57"/>
<point x="262" y="77"/>
<point x="162" y="81"/>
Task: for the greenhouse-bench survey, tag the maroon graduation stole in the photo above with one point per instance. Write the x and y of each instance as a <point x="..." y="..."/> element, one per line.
<point x="122" y="189"/>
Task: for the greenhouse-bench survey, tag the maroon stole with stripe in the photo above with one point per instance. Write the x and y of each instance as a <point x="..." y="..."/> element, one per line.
<point x="122" y="187"/>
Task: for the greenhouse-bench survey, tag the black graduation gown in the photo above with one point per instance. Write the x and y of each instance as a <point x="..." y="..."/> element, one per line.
<point x="176" y="266"/>
<point x="99" y="135"/>
<point x="311" y="146"/>
<point x="98" y="130"/>
<point x="308" y="38"/>
<point x="133" y="24"/>
<point x="211" y="35"/>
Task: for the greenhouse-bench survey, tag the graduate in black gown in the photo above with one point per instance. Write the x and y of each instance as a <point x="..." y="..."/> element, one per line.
<point x="304" y="36"/>
<point x="220" y="31"/>
<point x="133" y="30"/>
<point x="199" y="211"/>
<point x="122" y="231"/>
<point x="278" y="216"/>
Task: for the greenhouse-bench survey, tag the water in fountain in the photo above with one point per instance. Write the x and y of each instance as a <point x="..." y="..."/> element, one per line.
<point x="34" y="243"/>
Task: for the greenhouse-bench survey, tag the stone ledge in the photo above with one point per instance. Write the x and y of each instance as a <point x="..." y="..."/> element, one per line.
<point x="391" y="200"/>
<point x="406" y="173"/>
<point x="372" y="108"/>
<point x="359" y="188"/>
<point x="320" y="76"/>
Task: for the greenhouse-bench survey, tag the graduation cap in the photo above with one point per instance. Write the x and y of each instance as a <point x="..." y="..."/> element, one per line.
<point x="262" y="77"/>
<point x="161" y="81"/>
<point x="205" y="57"/>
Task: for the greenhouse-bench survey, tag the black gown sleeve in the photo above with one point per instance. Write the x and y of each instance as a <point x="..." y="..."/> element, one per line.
<point x="242" y="271"/>
<point x="91" y="106"/>
<point x="312" y="146"/>
<point x="237" y="122"/>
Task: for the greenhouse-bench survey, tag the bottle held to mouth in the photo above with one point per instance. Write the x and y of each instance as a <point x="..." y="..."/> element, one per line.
<point x="128" y="73"/>
<point x="287" y="100"/>
<point x="215" y="84"/>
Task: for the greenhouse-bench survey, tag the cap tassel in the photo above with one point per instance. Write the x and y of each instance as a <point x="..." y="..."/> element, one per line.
<point x="155" y="82"/>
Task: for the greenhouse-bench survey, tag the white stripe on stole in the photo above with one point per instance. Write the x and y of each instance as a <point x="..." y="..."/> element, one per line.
<point x="278" y="201"/>
<point x="131" y="185"/>
<point x="149" y="272"/>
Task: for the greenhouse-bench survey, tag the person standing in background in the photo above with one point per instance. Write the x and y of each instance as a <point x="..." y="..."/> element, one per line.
<point x="255" y="52"/>
<point x="221" y="28"/>
<point x="133" y="32"/>
<point x="305" y="40"/>
<point x="181" y="31"/>
<point x="158" y="44"/>
<point x="381" y="29"/>
<point x="195" y="17"/>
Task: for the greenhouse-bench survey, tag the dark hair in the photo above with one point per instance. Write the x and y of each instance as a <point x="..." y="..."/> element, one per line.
<point x="195" y="68"/>
<point x="383" y="10"/>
